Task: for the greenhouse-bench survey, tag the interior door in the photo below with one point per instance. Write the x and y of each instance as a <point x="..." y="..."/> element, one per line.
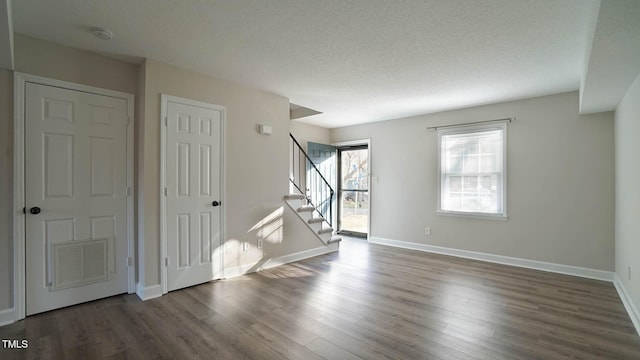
<point x="75" y="195"/>
<point x="193" y="194"/>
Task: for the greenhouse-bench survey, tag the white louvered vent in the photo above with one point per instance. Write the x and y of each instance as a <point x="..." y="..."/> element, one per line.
<point x="78" y="263"/>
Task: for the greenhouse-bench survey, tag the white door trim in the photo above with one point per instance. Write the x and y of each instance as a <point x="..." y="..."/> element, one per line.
<point x="164" y="100"/>
<point x="369" y="175"/>
<point x="19" y="220"/>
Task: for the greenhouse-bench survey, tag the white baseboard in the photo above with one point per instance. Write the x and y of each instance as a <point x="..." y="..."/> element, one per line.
<point x="235" y="271"/>
<point x="499" y="259"/>
<point x="633" y="312"/>
<point x="280" y="260"/>
<point x="7" y="316"/>
<point x="149" y="292"/>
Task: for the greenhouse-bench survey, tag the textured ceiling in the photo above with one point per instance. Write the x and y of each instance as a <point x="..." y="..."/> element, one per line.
<point x="354" y="61"/>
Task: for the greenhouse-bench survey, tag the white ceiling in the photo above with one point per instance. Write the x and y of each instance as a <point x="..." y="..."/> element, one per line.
<point x="354" y="61"/>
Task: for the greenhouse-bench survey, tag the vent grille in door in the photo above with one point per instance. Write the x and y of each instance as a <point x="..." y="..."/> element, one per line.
<point x="76" y="263"/>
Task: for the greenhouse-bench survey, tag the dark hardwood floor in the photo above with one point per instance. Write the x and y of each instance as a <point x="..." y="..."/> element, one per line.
<point x="365" y="302"/>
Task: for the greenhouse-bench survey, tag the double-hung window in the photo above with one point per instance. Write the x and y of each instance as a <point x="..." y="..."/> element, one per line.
<point x="472" y="169"/>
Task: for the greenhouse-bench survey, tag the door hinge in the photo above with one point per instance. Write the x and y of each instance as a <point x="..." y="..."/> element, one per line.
<point x="129" y="261"/>
<point x="129" y="191"/>
<point x="166" y="121"/>
<point x="166" y="192"/>
<point x="166" y="261"/>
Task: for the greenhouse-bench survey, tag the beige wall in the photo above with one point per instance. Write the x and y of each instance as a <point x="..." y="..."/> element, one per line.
<point x="6" y="196"/>
<point x="38" y="57"/>
<point x="305" y="133"/>
<point x="627" y="227"/>
<point x="256" y="165"/>
<point x="560" y="183"/>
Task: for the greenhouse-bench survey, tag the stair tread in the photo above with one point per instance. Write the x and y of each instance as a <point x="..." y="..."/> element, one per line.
<point x="325" y="230"/>
<point x="315" y="220"/>
<point x="306" y="208"/>
<point x="295" y="197"/>
<point x="334" y="239"/>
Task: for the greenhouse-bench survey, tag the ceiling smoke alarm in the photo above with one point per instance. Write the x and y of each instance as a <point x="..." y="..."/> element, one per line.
<point x="103" y="34"/>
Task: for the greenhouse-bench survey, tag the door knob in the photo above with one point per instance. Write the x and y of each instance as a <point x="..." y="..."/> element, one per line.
<point x="216" y="203"/>
<point x="35" y="210"/>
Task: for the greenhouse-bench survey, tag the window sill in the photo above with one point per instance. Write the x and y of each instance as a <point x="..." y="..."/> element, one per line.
<point x="470" y="215"/>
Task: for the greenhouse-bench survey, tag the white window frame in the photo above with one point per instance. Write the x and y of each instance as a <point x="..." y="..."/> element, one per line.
<point x="468" y="129"/>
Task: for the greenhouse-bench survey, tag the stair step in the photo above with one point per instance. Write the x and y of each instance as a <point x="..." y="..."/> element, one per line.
<point x="315" y="220"/>
<point x="294" y="197"/>
<point x="306" y="208"/>
<point x="325" y="230"/>
<point x="334" y="239"/>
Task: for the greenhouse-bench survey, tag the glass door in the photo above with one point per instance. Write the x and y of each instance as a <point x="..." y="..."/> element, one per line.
<point x="353" y="191"/>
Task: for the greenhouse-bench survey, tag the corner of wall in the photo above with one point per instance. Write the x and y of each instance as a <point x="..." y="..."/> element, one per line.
<point x="148" y="292"/>
<point x="8" y="316"/>
<point x="627" y="200"/>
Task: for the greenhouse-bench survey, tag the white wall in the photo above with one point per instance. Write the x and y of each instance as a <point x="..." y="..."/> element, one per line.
<point x="560" y="183"/>
<point x="627" y="204"/>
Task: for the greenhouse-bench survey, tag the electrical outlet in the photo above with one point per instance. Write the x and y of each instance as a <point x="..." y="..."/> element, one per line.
<point x="260" y="243"/>
<point x="427" y="231"/>
<point x="245" y="246"/>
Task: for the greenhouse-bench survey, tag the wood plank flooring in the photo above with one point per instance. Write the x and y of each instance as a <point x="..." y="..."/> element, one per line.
<point x="365" y="302"/>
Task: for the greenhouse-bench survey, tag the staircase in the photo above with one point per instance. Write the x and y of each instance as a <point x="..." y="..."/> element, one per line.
<point x="310" y="195"/>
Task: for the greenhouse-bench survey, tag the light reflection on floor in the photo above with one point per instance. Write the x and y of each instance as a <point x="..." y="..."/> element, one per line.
<point x="350" y="268"/>
<point x="354" y="252"/>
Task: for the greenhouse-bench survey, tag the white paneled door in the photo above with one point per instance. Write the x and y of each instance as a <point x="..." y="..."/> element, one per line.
<point x="193" y="193"/>
<point x="75" y="196"/>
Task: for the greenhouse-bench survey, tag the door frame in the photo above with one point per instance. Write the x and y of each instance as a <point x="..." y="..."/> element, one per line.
<point x="19" y="217"/>
<point x="164" y="102"/>
<point x="338" y="145"/>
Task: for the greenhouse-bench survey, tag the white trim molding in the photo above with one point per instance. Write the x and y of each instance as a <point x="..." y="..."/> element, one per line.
<point x="633" y="312"/>
<point x="500" y="259"/>
<point x="280" y="260"/>
<point x="7" y="316"/>
<point x="149" y="292"/>
<point x="19" y="220"/>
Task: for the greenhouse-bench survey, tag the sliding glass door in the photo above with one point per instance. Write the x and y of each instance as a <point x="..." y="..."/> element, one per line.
<point x="353" y="190"/>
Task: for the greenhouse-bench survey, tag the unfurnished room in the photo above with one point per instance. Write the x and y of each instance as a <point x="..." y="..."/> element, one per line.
<point x="304" y="179"/>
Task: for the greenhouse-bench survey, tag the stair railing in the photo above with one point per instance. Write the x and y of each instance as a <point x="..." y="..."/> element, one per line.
<point x="308" y="180"/>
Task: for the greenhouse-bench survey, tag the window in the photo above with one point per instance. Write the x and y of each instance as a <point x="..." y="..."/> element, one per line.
<point x="472" y="169"/>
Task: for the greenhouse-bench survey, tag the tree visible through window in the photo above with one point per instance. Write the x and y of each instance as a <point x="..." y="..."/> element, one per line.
<point x="472" y="170"/>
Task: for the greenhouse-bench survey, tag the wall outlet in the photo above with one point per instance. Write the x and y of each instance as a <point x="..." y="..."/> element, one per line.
<point x="427" y="231"/>
<point x="259" y="243"/>
<point x="245" y="246"/>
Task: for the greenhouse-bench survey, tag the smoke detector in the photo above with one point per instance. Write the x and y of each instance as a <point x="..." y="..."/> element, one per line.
<point x="103" y="34"/>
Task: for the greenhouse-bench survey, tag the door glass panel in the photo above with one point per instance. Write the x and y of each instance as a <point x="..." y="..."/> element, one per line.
<point x="354" y="211"/>
<point x="354" y="169"/>
<point x="354" y="191"/>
